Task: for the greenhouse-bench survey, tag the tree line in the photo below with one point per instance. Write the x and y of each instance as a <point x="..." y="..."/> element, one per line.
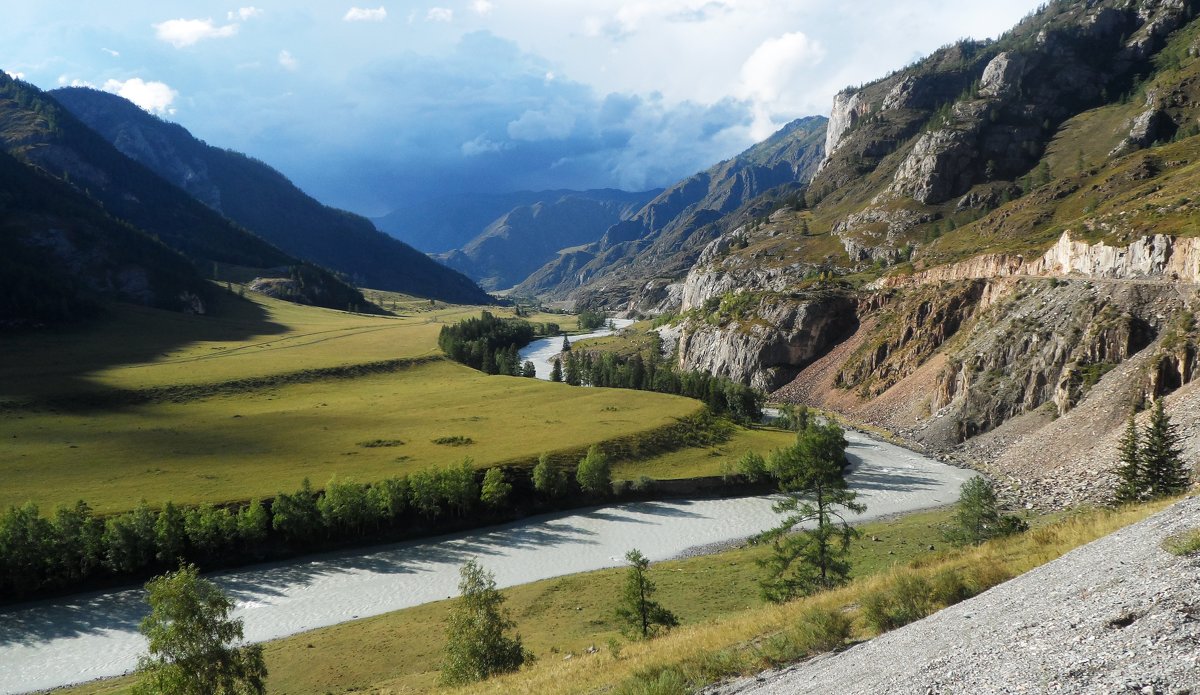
<point x="611" y="370"/>
<point x="74" y="546"/>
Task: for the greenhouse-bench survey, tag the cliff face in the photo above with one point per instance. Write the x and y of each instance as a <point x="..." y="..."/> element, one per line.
<point x="770" y="345"/>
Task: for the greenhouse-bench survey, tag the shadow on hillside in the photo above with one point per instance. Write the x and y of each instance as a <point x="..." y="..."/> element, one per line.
<point x="53" y="367"/>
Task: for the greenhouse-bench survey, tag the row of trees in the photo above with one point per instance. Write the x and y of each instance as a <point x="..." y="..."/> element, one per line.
<point x="75" y="546"/>
<point x="610" y="370"/>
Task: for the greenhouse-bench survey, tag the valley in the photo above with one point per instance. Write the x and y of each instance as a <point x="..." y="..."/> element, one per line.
<point x="684" y="394"/>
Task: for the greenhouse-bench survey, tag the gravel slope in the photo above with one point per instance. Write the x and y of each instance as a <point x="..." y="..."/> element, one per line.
<point x="1119" y="615"/>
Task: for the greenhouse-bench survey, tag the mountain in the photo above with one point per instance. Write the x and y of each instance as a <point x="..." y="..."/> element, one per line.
<point x="665" y="237"/>
<point x="529" y="236"/>
<point x="40" y="133"/>
<point x="996" y="258"/>
<point x="265" y="202"/>
<point x="60" y="254"/>
<point x="441" y="224"/>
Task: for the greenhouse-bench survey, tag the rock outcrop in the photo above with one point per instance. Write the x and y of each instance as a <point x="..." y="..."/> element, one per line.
<point x="777" y="339"/>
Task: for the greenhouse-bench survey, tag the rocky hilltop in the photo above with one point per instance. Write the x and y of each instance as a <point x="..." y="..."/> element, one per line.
<point x="995" y="254"/>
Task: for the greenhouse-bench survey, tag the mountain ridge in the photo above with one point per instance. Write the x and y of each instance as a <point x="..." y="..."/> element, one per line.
<point x="264" y="201"/>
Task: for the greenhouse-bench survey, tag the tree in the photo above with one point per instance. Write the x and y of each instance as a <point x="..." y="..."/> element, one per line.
<point x="566" y="346"/>
<point x="1163" y="470"/>
<point x="594" y="473"/>
<point x="571" y="374"/>
<point x="753" y="467"/>
<point x="495" y="488"/>
<point x="810" y="475"/>
<point x="529" y="370"/>
<point x="556" y="371"/>
<point x="192" y="641"/>
<point x="170" y="534"/>
<point x="477" y="645"/>
<point x="977" y="515"/>
<point x="296" y="515"/>
<point x="1131" y="487"/>
<point x="548" y="479"/>
<point x="640" y="612"/>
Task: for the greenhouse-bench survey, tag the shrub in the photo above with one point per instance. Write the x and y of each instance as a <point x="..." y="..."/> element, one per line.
<point x="908" y="598"/>
<point x="594" y="473"/>
<point x="822" y="629"/>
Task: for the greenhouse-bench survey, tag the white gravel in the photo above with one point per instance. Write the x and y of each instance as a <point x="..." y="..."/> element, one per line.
<point x="1119" y="615"/>
<point x="79" y="638"/>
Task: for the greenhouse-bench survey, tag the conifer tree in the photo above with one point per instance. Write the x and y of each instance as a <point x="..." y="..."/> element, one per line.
<point x="556" y="371"/>
<point x="1163" y="470"/>
<point x="1131" y="486"/>
<point x="637" y="609"/>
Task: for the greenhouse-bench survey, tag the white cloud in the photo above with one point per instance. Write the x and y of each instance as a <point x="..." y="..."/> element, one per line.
<point x="186" y="32"/>
<point x="244" y="13"/>
<point x="155" y="97"/>
<point x="360" y="14"/>
<point x="774" y="74"/>
<point x="555" y="123"/>
<point x="15" y="75"/>
<point x="288" y="61"/>
<point x="111" y="52"/>
<point x="483" y="7"/>
<point x="482" y="145"/>
<point x="439" y="14"/>
<point x="64" y="81"/>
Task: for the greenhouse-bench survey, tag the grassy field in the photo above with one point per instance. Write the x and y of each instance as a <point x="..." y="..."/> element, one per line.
<point x="240" y="446"/>
<point x="400" y="651"/>
<point x="706" y="461"/>
<point x="245" y="441"/>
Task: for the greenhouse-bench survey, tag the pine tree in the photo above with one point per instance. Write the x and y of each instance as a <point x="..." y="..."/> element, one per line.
<point x="637" y="609"/>
<point x="1163" y="470"/>
<point x="1132" y="485"/>
<point x="556" y="371"/>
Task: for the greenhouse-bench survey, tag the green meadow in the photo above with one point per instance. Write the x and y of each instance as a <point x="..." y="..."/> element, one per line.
<point x="153" y="405"/>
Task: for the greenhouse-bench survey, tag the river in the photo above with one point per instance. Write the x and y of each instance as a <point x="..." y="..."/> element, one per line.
<point x="77" y="638"/>
<point x="542" y="352"/>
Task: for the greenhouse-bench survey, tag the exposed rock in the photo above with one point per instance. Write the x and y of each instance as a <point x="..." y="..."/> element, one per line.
<point x="847" y="109"/>
<point x="1151" y="125"/>
<point x="1002" y="77"/>
<point x="941" y="165"/>
<point x="770" y="348"/>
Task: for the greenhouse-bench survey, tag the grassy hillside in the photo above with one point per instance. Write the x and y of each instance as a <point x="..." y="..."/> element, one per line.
<point x="249" y="405"/>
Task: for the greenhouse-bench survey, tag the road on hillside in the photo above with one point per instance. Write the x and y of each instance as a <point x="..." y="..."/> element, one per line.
<point x="78" y="638"/>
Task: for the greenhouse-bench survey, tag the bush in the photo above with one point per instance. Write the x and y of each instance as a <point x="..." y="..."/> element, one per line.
<point x="909" y="598"/>
<point x="822" y="629"/>
<point x="753" y="467"/>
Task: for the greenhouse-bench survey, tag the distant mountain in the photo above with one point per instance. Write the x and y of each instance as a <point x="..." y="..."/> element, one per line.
<point x="264" y="201"/>
<point x="443" y="224"/>
<point x="663" y="239"/>
<point x="529" y="236"/>
<point x="39" y="132"/>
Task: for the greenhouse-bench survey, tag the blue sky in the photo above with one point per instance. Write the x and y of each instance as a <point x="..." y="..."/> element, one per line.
<point x="364" y="106"/>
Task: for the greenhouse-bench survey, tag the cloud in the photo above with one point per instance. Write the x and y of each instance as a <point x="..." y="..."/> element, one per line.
<point x="288" y="61"/>
<point x="439" y="14"/>
<point x="772" y="75"/>
<point x="155" y="97"/>
<point x="186" y="32"/>
<point x="483" y="7"/>
<point x="111" y="52"/>
<point x="359" y="14"/>
<point x="244" y="13"/>
<point x="15" y="75"/>
<point x="554" y="123"/>
<point x="482" y="145"/>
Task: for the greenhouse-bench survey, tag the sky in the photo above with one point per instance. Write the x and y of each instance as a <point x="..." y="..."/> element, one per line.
<point x="367" y="107"/>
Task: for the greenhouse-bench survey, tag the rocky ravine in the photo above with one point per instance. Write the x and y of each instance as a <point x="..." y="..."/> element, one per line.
<point x="1119" y="615"/>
